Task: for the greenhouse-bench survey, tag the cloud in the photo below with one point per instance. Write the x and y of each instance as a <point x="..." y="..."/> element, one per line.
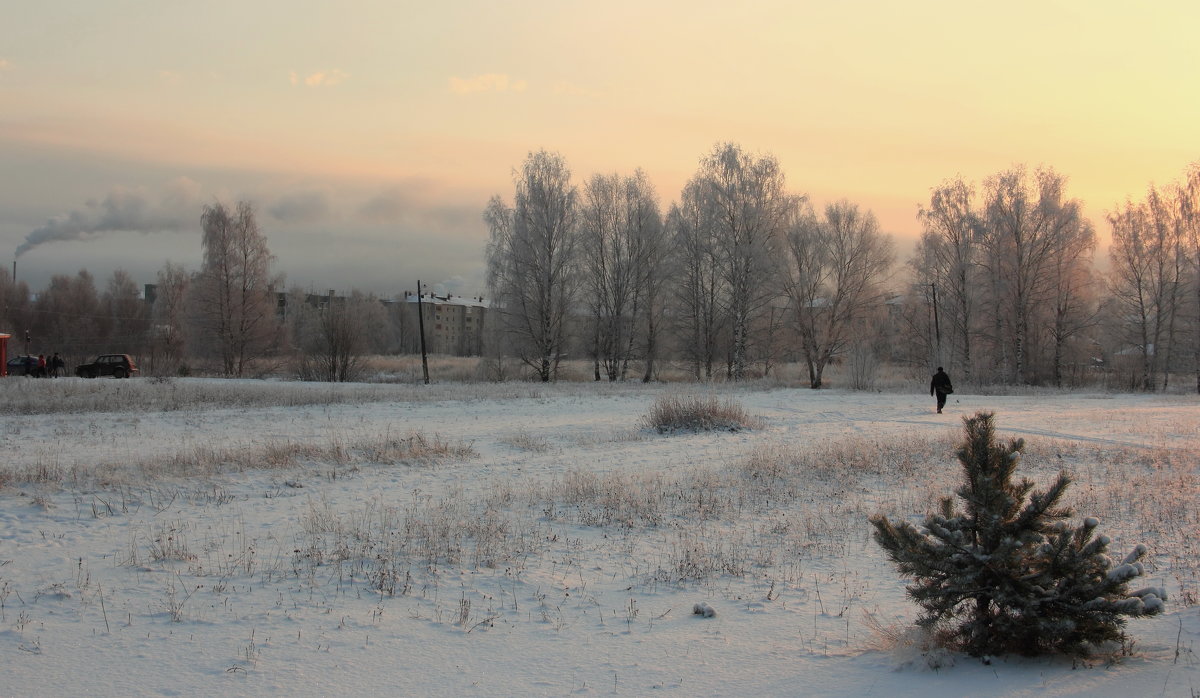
<point x="412" y="207"/>
<point x="386" y="207"/>
<point x="182" y="193"/>
<point x="132" y="210"/>
<point x="4" y="65"/>
<point x="302" y="207"/>
<point x="170" y="77"/>
<point x="488" y="82"/>
<point x="321" y="78"/>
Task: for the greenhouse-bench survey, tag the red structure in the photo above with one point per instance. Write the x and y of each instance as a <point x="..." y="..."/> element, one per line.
<point x="4" y="353"/>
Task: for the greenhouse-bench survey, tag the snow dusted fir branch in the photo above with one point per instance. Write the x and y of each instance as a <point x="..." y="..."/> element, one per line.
<point x="1008" y="573"/>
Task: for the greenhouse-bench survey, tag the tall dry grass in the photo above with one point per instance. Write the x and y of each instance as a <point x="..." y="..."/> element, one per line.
<point x="206" y="461"/>
<point x="79" y="396"/>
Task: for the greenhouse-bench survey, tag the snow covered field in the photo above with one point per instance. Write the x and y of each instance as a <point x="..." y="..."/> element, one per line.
<point x="196" y="537"/>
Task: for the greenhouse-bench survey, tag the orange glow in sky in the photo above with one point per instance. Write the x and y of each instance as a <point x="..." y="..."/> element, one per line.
<point x="431" y="105"/>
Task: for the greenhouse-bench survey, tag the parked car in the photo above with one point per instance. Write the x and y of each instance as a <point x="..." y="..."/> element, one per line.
<point x="115" y="365"/>
<point x="23" y="366"/>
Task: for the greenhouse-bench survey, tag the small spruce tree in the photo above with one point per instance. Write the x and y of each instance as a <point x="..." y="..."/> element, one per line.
<point x="1008" y="573"/>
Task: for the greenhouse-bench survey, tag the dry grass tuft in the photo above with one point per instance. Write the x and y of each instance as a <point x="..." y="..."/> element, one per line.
<point x="673" y="413"/>
<point x="527" y="442"/>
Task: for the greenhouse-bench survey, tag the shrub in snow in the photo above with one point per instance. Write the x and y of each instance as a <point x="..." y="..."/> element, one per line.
<point x="1008" y="573"/>
<point x="671" y="413"/>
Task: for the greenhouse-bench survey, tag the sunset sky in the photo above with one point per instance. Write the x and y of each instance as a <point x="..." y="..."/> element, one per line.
<point x="370" y="134"/>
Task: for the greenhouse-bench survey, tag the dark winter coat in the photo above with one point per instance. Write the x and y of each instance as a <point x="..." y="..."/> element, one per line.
<point x="940" y="384"/>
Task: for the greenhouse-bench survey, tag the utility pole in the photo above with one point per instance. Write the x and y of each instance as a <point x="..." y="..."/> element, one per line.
<point x="937" y="329"/>
<point x="421" y="327"/>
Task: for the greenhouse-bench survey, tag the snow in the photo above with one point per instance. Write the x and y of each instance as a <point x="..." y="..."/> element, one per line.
<point x="603" y="535"/>
<point x="1126" y="571"/>
<point x="1138" y="551"/>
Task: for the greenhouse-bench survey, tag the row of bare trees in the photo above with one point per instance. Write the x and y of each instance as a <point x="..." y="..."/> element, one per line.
<point x="739" y="268"/>
<point x="741" y="273"/>
<point x="70" y="316"/>
<point x="737" y="275"/>
<point x="1009" y="267"/>
<point x="1155" y="280"/>
<point x="227" y="316"/>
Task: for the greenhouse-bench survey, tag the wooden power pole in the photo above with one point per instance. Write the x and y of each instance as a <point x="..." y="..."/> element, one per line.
<point x="421" y="327"/>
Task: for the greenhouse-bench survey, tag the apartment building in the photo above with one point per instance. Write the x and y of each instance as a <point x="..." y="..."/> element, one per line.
<point x="453" y="324"/>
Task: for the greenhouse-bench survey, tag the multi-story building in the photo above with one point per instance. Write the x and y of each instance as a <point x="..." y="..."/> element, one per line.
<point x="453" y="324"/>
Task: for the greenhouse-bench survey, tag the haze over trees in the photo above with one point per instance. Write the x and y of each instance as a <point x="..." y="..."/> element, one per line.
<point x="1010" y="274"/>
<point x="1149" y="270"/>
<point x="1002" y="286"/>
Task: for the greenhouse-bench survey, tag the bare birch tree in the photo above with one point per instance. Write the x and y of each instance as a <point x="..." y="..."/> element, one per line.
<point x="532" y="260"/>
<point x="620" y="231"/>
<point x="748" y="205"/>
<point x="334" y="337"/>
<point x="1026" y="220"/>
<point x="1189" y="211"/>
<point x="1074" y="295"/>
<point x="836" y="265"/>
<point x="1166" y="217"/>
<point x="235" y="291"/>
<point x="169" y="319"/>
<point x="700" y="288"/>
<point x="606" y="269"/>
<point x="653" y="268"/>
<point x="947" y="261"/>
<point x="1145" y="282"/>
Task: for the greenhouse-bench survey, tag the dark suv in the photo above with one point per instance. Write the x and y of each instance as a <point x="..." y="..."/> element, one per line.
<point x="23" y="366"/>
<point x="115" y="365"/>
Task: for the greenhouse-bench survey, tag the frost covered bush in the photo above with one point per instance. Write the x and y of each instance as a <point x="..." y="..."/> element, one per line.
<point x="671" y="413"/>
<point x="1008" y="573"/>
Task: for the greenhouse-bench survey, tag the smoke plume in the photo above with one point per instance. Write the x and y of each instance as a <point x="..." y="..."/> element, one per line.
<point x="123" y="210"/>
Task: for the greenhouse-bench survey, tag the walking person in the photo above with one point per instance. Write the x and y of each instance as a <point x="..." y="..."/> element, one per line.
<point x="940" y="387"/>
